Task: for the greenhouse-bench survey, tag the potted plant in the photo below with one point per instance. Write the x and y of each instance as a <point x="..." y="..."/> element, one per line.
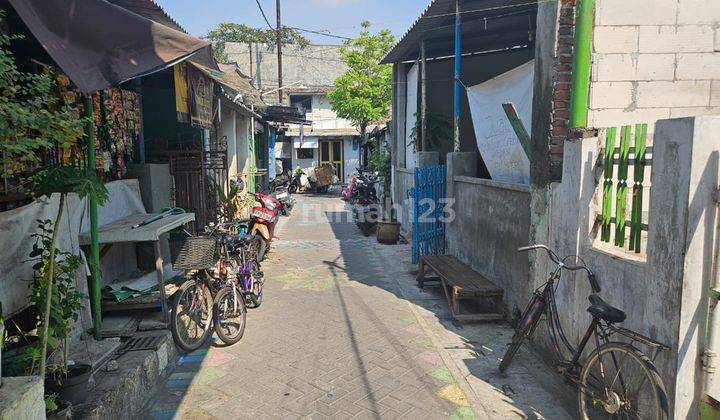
<point x="388" y="231"/>
<point x="54" y="291"/>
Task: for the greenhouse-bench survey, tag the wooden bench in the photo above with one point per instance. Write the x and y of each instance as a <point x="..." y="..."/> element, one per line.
<point x="464" y="284"/>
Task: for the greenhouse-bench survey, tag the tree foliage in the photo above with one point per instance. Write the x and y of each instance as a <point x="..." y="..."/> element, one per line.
<point x="32" y="116"/>
<point x="238" y="32"/>
<point x="364" y="93"/>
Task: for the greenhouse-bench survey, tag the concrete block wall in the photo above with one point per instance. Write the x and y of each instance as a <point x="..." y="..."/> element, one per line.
<point x="654" y="59"/>
<point x="665" y="296"/>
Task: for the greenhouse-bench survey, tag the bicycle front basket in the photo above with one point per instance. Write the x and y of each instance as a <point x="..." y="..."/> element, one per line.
<point x="197" y="253"/>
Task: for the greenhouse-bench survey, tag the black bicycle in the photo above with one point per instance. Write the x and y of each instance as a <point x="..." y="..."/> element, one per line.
<point x="616" y="379"/>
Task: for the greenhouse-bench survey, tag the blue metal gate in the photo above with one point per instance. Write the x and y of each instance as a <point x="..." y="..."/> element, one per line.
<point x="428" y="212"/>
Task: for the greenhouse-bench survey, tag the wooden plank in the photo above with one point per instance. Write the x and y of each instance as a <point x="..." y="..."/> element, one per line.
<point x="463" y="278"/>
<point x="610" y="134"/>
<point x="638" y="178"/>
<point x="517" y="126"/>
<point x="622" y="189"/>
<point x="479" y="317"/>
<point x="121" y="230"/>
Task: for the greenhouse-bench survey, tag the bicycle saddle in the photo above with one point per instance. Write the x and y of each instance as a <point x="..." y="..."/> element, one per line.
<point x="600" y="309"/>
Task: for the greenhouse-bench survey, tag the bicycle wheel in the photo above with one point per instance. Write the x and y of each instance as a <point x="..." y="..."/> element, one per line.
<point x="191" y="316"/>
<point x="619" y="381"/>
<point x="526" y="326"/>
<point x="255" y="296"/>
<point x="230" y="315"/>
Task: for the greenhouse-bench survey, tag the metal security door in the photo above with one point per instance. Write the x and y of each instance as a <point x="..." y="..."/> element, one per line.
<point x="428" y="212"/>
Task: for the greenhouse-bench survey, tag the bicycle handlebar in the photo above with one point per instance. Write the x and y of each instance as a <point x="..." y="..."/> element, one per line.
<point x="592" y="279"/>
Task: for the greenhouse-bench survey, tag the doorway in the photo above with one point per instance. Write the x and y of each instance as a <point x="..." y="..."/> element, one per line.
<point x="331" y="151"/>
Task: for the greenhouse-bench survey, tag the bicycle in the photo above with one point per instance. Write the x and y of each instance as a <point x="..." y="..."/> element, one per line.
<point x="209" y="261"/>
<point x="243" y="288"/>
<point x="605" y="387"/>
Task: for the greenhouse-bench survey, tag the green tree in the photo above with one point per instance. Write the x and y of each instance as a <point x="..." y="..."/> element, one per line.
<point x="237" y="32"/>
<point x="32" y="117"/>
<point x="364" y="93"/>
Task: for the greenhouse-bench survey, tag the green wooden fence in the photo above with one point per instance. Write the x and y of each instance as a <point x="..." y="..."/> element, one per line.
<point x="621" y="157"/>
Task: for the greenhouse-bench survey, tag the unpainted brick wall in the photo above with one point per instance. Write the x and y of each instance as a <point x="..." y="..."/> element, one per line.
<point x="562" y="76"/>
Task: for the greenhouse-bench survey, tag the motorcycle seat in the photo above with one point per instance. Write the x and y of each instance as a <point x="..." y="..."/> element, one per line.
<point x="603" y="310"/>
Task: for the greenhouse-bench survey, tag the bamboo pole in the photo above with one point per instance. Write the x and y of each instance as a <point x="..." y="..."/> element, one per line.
<point x="94" y="245"/>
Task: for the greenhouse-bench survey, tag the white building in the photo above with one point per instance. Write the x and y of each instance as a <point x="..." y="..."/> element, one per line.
<point x="309" y="73"/>
<point x="329" y="139"/>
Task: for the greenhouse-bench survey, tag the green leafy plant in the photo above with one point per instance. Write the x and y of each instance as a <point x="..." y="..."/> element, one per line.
<point x="237" y="32"/>
<point x="66" y="302"/>
<point x="32" y="116"/>
<point x="439" y="129"/>
<point x="380" y="162"/>
<point x="63" y="180"/>
<point x="363" y="94"/>
<point x="227" y="203"/>
<point x="51" y="404"/>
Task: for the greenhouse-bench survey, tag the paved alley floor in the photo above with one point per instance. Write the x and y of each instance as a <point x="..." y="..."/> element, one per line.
<point x="343" y="332"/>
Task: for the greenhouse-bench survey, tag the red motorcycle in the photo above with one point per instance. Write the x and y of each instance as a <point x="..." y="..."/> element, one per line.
<point x="263" y="218"/>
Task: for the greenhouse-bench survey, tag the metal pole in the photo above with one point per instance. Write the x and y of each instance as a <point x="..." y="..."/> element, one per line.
<point x="423" y="98"/>
<point x="94" y="245"/>
<point x="278" y="40"/>
<point x="581" y="63"/>
<point x="456" y="91"/>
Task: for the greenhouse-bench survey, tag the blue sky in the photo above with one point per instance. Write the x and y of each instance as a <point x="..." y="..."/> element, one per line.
<point x="340" y="17"/>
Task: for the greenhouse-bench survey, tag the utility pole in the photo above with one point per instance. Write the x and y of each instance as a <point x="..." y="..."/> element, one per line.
<point x="278" y="40"/>
<point x="258" y="59"/>
<point x="456" y="88"/>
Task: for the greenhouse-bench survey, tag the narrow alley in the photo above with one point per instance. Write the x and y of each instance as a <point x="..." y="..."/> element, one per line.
<point x="344" y="332"/>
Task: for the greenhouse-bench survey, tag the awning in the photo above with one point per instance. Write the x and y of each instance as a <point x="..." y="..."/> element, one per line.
<point x="98" y="44"/>
<point x="307" y="143"/>
<point x="487" y="25"/>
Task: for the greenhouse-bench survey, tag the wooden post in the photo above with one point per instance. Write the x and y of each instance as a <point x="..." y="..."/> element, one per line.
<point x="622" y="189"/>
<point x="423" y="98"/>
<point x="161" y="281"/>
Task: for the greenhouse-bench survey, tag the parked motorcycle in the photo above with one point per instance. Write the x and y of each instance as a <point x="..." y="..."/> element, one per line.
<point x="282" y="194"/>
<point x="263" y="218"/>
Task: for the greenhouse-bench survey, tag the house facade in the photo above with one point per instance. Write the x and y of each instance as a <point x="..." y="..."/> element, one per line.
<point x="591" y="84"/>
<point x="308" y="74"/>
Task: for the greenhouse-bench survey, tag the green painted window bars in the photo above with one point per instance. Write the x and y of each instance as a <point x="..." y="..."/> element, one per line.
<point x="621" y="157"/>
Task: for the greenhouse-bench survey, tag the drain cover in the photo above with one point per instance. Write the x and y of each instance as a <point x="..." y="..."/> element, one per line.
<point x="144" y="342"/>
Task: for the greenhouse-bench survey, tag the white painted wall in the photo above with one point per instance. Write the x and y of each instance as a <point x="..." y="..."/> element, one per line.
<point x="654" y="59"/>
<point x="410" y="110"/>
<point x="351" y="156"/>
<point x="322" y="115"/>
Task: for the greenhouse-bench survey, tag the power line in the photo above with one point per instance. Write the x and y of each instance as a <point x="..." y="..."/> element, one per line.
<point x="323" y="33"/>
<point x="263" y="15"/>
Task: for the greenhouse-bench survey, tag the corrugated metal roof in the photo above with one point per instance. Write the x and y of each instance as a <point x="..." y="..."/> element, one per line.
<point x="149" y="10"/>
<point x="232" y="80"/>
<point x="487" y="24"/>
